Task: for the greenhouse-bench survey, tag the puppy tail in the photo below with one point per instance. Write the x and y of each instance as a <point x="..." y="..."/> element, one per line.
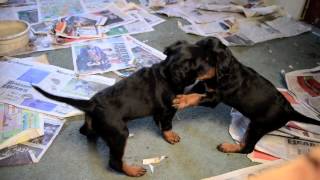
<point x="84" y="105"/>
<point x="304" y="119"/>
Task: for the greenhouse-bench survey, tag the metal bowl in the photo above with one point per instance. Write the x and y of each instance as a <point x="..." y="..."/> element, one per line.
<point x="14" y="34"/>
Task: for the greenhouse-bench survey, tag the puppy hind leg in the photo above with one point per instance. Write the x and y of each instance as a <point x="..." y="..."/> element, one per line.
<point x="116" y="139"/>
<point x="86" y="129"/>
<point x="253" y="134"/>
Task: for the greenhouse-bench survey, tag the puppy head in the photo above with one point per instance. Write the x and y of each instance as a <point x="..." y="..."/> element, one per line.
<point x="186" y="63"/>
<point x="218" y="53"/>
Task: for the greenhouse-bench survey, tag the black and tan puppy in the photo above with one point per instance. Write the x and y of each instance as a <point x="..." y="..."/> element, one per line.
<point x="244" y="89"/>
<point x="148" y="92"/>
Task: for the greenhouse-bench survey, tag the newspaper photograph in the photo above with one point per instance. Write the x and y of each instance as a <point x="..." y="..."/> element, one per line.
<point x="145" y="56"/>
<point x="79" y="26"/>
<point x="33" y="150"/>
<point x="115" y="16"/>
<point x="28" y="14"/>
<point x="101" y="56"/>
<point x="44" y="27"/>
<point x="305" y="85"/>
<point x="16" y="89"/>
<point x="25" y="13"/>
<point x="52" y="10"/>
<point x="18" y="125"/>
<point x="245" y="173"/>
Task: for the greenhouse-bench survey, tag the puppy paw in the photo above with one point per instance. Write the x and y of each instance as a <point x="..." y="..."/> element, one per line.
<point x="171" y="137"/>
<point x="229" y="148"/>
<point x="183" y="101"/>
<point x="133" y="171"/>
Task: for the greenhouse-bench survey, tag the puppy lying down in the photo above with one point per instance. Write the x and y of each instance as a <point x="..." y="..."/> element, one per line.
<point x="148" y="92"/>
<point x="244" y="89"/>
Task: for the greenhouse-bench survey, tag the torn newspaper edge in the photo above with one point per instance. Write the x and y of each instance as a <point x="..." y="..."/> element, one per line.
<point x="33" y="150"/>
<point x="16" y="89"/>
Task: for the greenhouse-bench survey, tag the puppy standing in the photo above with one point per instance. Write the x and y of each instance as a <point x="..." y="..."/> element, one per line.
<point x="244" y="89"/>
<point x="147" y="92"/>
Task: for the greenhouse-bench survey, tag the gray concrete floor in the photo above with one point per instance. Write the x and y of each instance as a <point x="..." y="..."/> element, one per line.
<point x="72" y="157"/>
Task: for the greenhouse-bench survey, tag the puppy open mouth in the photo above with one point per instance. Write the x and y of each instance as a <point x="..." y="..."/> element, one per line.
<point x="208" y="75"/>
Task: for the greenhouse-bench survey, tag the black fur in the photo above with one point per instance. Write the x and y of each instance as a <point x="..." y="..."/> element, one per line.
<point x="244" y="89"/>
<point x="148" y="92"/>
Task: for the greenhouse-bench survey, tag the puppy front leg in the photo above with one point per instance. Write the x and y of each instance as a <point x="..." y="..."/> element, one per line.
<point x="116" y="138"/>
<point x="165" y="122"/>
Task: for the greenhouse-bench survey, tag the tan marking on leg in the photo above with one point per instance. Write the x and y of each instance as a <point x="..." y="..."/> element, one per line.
<point x="171" y="137"/>
<point x="230" y="148"/>
<point x="133" y="171"/>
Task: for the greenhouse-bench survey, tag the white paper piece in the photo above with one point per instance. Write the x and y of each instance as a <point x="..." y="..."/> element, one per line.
<point x="245" y="173"/>
<point x="155" y="160"/>
<point x="15" y="86"/>
<point x="151" y="168"/>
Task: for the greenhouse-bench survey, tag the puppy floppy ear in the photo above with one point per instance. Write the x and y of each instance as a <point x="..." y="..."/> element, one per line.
<point x="170" y="49"/>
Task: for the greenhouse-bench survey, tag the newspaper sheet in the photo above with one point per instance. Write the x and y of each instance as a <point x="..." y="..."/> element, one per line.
<point x="145" y="56"/>
<point x="16" y="89"/>
<point x="245" y="173"/>
<point x="151" y="19"/>
<point x="52" y="9"/>
<point x="276" y="144"/>
<point x="18" y="125"/>
<point x="98" y="5"/>
<point x="270" y="23"/>
<point x="101" y="56"/>
<point x="248" y="12"/>
<point x="115" y="16"/>
<point x="79" y="26"/>
<point x="26" y="13"/>
<point x="305" y="85"/>
<point x="33" y="150"/>
<point x="17" y="3"/>
<point x="138" y="26"/>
